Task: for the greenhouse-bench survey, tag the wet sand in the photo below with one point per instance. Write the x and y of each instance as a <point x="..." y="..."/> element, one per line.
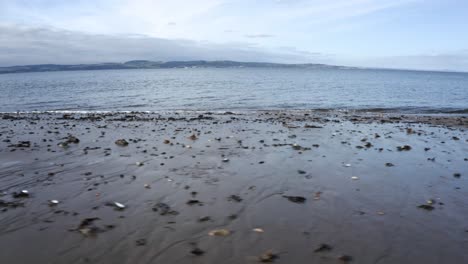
<point x="282" y="187"/>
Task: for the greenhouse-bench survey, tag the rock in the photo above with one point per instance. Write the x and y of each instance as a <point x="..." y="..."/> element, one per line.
<point x="426" y="207"/>
<point x="72" y="139"/>
<point x="404" y="148"/>
<point x="204" y="219"/>
<point x="345" y="258"/>
<point x="21" y="144"/>
<point x="140" y="242"/>
<point x="323" y="248"/>
<point x="87" y="227"/>
<point x="21" y="194"/>
<point x="295" y="199"/>
<point x="197" y="251"/>
<point x="10" y="204"/>
<point x="121" y="142"/>
<point x="193" y="202"/>
<point x="164" y="209"/>
<point x="235" y="198"/>
<point x="219" y="232"/>
<point x="268" y="256"/>
<point x="63" y="144"/>
<point x="312" y="126"/>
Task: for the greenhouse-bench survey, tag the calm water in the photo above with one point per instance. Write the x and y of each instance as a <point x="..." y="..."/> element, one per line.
<point x="234" y="89"/>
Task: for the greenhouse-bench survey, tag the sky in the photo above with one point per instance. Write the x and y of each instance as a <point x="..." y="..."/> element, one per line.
<point x="407" y="34"/>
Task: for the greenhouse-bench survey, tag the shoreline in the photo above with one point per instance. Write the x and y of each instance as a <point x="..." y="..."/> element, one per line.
<point x="205" y="187"/>
<point x="364" y="111"/>
<point x="441" y="119"/>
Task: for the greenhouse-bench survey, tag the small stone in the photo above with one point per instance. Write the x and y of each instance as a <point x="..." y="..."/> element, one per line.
<point x="63" y="144"/>
<point x="295" y="199"/>
<point x="193" y="202"/>
<point x="219" y="232"/>
<point x="140" y="242"/>
<point x="268" y="256"/>
<point x="345" y="258"/>
<point x="404" y="148"/>
<point x="197" y="252"/>
<point x="204" y="219"/>
<point x="323" y="248"/>
<point x="21" y="194"/>
<point x="121" y="142"/>
<point x="73" y="139"/>
<point x="426" y="207"/>
<point x="235" y="198"/>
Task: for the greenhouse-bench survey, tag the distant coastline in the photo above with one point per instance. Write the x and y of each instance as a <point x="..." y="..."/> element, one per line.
<point x="145" y="64"/>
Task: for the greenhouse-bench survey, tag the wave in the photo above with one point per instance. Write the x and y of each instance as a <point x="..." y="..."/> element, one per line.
<point x="392" y="110"/>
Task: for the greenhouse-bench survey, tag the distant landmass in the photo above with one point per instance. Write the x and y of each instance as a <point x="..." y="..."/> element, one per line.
<point x="145" y="64"/>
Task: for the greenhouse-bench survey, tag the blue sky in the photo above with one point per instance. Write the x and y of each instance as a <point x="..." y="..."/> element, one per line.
<point x="417" y="34"/>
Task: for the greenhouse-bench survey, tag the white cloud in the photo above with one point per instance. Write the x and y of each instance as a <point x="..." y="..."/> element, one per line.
<point x="58" y="31"/>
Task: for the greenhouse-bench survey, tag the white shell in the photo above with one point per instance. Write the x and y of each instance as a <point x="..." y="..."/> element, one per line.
<point x="54" y="202"/>
<point x="119" y="205"/>
<point x="355" y="178"/>
<point x="258" y="230"/>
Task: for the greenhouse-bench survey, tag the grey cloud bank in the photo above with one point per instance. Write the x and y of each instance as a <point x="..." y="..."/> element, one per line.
<point x="25" y="46"/>
<point x="21" y="45"/>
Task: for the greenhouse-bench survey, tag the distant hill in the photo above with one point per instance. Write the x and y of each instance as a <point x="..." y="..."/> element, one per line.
<point x="144" y="64"/>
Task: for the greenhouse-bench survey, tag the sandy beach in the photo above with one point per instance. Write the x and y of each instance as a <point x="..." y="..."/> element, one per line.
<point x="248" y="187"/>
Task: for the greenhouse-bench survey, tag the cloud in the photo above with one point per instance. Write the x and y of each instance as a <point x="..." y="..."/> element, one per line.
<point x="25" y="45"/>
<point x="260" y="36"/>
<point x="87" y="31"/>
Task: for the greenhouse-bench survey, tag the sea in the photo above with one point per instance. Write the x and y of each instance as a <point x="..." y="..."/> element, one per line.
<point x="236" y="89"/>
